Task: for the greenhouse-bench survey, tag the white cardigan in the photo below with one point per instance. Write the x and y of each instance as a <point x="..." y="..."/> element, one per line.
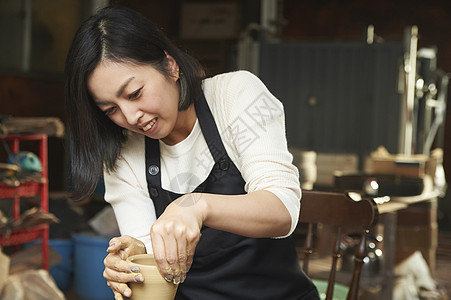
<point x="251" y="124"/>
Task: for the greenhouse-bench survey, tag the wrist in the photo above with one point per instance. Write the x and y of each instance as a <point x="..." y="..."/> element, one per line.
<point x="195" y="202"/>
<point x="202" y="204"/>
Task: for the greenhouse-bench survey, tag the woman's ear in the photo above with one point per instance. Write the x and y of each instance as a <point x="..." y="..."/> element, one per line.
<point x="173" y="67"/>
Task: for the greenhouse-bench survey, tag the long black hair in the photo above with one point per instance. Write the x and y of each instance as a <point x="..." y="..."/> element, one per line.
<point x="117" y="34"/>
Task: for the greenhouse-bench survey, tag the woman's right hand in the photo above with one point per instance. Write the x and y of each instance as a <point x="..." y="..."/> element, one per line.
<point x="117" y="270"/>
<point x="175" y="235"/>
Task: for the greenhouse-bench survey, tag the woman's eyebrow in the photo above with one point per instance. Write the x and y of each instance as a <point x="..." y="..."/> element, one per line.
<point x="123" y="86"/>
<point x="101" y="103"/>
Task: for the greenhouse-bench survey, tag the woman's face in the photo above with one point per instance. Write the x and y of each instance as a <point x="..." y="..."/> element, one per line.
<point x="138" y="97"/>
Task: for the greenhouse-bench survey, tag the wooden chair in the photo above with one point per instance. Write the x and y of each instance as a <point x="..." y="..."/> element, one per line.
<point x="345" y="215"/>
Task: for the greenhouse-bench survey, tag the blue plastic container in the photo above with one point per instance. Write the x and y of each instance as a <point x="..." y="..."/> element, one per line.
<point x="62" y="272"/>
<point x="89" y="253"/>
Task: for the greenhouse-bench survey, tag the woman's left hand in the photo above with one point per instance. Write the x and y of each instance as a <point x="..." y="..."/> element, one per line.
<point x="176" y="234"/>
<point x="118" y="272"/>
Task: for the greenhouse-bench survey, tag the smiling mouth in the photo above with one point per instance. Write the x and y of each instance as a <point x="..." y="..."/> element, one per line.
<point x="149" y="125"/>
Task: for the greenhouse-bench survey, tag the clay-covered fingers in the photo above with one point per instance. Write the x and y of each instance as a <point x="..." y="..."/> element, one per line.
<point x="114" y="245"/>
<point x="118" y="296"/>
<point x="118" y="285"/>
<point x="125" y="290"/>
<point x="174" y="252"/>
<point x="185" y="246"/>
<point x="118" y="272"/>
<point x="182" y="258"/>
<point x="167" y="267"/>
<point x="127" y="245"/>
<point x="174" y="238"/>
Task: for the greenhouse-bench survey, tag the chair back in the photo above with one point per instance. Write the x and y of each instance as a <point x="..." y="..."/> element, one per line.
<point x="345" y="215"/>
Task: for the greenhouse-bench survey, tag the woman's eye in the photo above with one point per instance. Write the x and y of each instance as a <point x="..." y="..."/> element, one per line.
<point x="109" y="111"/>
<point x="135" y="94"/>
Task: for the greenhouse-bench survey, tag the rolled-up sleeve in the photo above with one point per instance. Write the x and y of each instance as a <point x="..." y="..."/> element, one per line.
<point x="256" y="126"/>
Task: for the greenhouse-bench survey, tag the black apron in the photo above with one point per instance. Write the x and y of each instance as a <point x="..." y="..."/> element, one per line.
<point x="225" y="265"/>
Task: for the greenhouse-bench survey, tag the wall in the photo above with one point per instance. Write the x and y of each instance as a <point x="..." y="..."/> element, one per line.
<point x="28" y="96"/>
<point x="33" y="85"/>
<point x="347" y="20"/>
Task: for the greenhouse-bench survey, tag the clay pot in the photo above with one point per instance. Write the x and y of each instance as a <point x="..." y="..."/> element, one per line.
<point x="154" y="287"/>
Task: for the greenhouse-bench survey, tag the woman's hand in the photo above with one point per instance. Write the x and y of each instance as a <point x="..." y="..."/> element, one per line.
<point x="117" y="270"/>
<point x="175" y="235"/>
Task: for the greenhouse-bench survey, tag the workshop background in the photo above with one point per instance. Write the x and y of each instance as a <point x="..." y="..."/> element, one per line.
<point x="339" y="67"/>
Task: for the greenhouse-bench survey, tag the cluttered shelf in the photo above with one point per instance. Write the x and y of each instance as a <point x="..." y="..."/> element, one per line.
<point x="23" y="235"/>
<point x="29" y="180"/>
<point x="25" y="189"/>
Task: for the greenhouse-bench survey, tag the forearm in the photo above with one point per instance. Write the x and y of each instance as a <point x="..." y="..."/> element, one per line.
<point x="257" y="214"/>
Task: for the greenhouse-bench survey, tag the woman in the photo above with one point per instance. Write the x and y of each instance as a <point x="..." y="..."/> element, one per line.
<point x="197" y="170"/>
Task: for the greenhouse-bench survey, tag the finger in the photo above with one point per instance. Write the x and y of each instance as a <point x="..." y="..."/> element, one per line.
<point x="189" y="259"/>
<point x="120" y="243"/>
<point x="159" y="255"/>
<point x="127" y="274"/>
<point x="171" y="247"/>
<point x="127" y="244"/>
<point x="115" y="262"/>
<point x="114" y="245"/>
<point x="133" y="246"/>
<point x="119" y="289"/>
<point x="181" y="257"/>
<point x="117" y="296"/>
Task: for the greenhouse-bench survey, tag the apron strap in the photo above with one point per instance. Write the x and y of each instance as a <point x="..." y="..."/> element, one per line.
<point x="209" y="129"/>
<point x="153" y="165"/>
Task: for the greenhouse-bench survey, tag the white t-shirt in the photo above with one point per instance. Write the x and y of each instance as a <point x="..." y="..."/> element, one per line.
<point x="251" y="124"/>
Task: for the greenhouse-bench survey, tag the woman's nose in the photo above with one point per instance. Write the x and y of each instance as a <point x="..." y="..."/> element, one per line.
<point x="132" y="114"/>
